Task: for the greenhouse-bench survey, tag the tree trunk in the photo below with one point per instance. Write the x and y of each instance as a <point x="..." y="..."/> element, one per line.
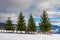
<point x="21" y="32"/>
<point x="1" y="30"/>
<point x="16" y="31"/>
<point x="46" y="33"/>
<point x="13" y="31"/>
<point x="25" y="32"/>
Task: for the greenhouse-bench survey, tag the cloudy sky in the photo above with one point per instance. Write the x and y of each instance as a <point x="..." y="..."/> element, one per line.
<point x="12" y="8"/>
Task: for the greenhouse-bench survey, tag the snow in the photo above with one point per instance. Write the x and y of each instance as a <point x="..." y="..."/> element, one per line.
<point x="12" y="36"/>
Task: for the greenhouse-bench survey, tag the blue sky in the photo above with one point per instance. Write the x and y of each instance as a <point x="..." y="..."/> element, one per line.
<point x="12" y="8"/>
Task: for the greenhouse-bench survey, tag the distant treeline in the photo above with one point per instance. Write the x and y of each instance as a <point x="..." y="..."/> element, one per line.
<point x="44" y="25"/>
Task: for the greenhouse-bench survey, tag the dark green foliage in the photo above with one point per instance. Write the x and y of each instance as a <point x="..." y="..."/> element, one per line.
<point x="9" y="28"/>
<point x="45" y="25"/>
<point x="9" y="24"/>
<point x="31" y="24"/>
<point x="21" y="26"/>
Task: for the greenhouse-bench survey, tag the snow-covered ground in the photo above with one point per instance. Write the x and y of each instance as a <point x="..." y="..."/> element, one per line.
<point x="11" y="36"/>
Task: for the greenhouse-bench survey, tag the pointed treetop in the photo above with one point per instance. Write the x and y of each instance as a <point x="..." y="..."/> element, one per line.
<point x="21" y="14"/>
<point x="44" y="10"/>
<point x="31" y="14"/>
<point x="9" y="18"/>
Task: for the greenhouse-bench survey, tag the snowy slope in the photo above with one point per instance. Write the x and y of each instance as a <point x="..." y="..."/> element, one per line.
<point x="10" y="36"/>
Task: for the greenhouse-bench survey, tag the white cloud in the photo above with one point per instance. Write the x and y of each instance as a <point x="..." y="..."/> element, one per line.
<point x="4" y="17"/>
<point x="23" y="4"/>
<point x="14" y="7"/>
<point x="53" y="14"/>
<point x="49" y="4"/>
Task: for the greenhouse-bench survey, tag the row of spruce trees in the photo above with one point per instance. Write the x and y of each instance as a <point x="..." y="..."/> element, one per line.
<point x="44" y="25"/>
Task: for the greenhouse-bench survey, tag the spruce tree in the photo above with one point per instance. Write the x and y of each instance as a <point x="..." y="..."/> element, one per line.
<point x="21" y="26"/>
<point x="31" y="24"/>
<point x="45" y="25"/>
<point x="9" y="24"/>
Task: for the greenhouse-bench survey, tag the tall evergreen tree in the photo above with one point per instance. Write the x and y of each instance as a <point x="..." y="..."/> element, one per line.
<point x="9" y="24"/>
<point x="21" y="26"/>
<point x="45" y="25"/>
<point x="31" y="24"/>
